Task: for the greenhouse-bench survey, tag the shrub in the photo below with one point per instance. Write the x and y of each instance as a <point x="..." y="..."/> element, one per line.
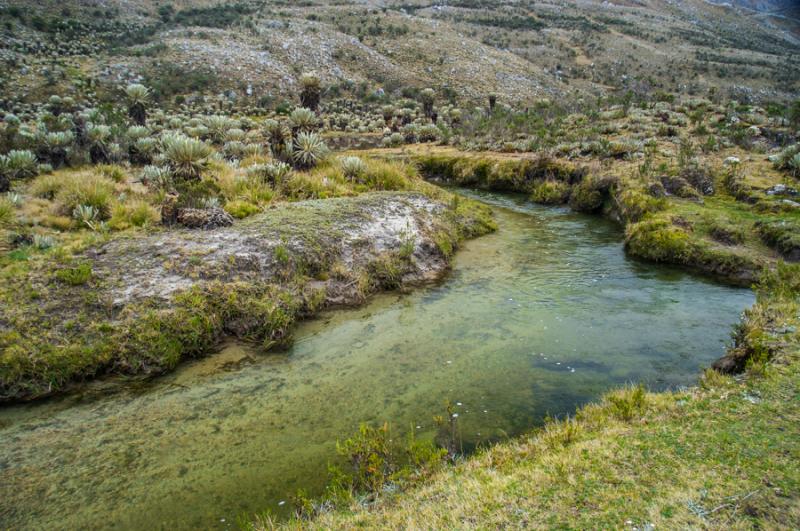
<point x="428" y="133"/>
<point x="274" y="173"/>
<point x="278" y="135"/>
<point x="310" y="93"/>
<point x="158" y="176"/>
<point x="136" y="132"/>
<point x="385" y="175"/>
<point x="625" y="404"/>
<point x="621" y="149"/>
<point x="352" y="167"/>
<point x="86" y="190"/>
<point x="726" y="233"/>
<point x="635" y="204"/>
<point x="393" y="140"/>
<point x="550" y="192"/>
<point x="788" y="160"/>
<point x="138" y="96"/>
<point x="198" y="194"/>
<point x="781" y="235"/>
<point x="16" y="199"/>
<point x="313" y="186"/>
<point x="43" y="242"/>
<point x="46" y="186"/>
<point x="7" y="214"/>
<point x="586" y="197"/>
<point x="234" y="149"/>
<point x="115" y="173"/>
<point x="136" y="213"/>
<point x="86" y="216"/>
<point x="218" y="126"/>
<point x="427" y="98"/>
<point x="187" y="157"/>
<point x="56" y="144"/>
<point x="303" y="120"/>
<point x="658" y="240"/>
<point x="308" y="150"/>
<point x="18" y="164"/>
<point x="241" y="209"/>
<point x="75" y="276"/>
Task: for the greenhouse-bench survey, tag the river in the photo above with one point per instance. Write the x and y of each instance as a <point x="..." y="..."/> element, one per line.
<point x="536" y="319"/>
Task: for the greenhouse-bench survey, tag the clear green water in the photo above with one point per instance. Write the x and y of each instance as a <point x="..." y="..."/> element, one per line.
<point x="538" y="318"/>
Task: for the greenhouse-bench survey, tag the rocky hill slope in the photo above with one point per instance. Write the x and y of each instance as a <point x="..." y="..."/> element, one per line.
<point x="523" y="51"/>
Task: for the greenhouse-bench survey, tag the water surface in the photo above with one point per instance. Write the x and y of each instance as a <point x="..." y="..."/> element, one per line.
<point x="536" y="319"/>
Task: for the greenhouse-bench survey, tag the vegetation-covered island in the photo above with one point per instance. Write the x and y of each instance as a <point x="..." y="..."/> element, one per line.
<point x="463" y="264"/>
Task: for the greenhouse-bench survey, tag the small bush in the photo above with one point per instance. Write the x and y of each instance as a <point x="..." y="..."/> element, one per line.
<point x="352" y="167"/>
<point x="635" y="204"/>
<point x="75" y="276"/>
<point x="47" y="186"/>
<point x="625" y="404"/>
<point x="727" y="233"/>
<point x="550" y="192"/>
<point x="7" y="214"/>
<point x="115" y="173"/>
<point x="658" y="240"/>
<point x="781" y="235"/>
<point x="241" y="209"/>
<point x="309" y="149"/>
<point x="187" y="157"/>
<point x="384" y="175"/>
<point x="18" y="164"/>
<point x="586" y="197"/>
<point x="86" y="190"/>
<point x="134" y="214"/>
<point x="313" y="186"/>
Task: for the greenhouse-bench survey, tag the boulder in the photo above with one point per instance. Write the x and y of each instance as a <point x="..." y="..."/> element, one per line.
<point x="204" y="218"/>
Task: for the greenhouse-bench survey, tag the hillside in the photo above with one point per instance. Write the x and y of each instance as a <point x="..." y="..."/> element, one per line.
<point x="254" y="51"/>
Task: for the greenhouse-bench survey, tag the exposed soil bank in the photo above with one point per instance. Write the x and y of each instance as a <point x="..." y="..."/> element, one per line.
<point x="139" y="305"/>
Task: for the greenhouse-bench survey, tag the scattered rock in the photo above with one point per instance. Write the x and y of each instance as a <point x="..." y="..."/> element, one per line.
<point x="782" y="189"/>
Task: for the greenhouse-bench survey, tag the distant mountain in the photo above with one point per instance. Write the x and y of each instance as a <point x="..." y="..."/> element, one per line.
<point x="783" y="7"/>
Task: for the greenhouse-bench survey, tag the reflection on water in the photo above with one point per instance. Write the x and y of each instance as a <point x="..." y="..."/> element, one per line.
<point x="536" y="319"/>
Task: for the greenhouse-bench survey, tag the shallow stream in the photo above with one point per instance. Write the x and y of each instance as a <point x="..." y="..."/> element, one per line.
<point x="542" y="316"/>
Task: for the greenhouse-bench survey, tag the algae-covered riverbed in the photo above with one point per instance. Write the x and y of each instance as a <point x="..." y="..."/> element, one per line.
<point x="535" y="319"/>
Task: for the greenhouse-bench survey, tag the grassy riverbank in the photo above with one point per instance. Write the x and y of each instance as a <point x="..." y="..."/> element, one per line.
<point x="71" y="309"/>
<point x="731" y="234"/>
